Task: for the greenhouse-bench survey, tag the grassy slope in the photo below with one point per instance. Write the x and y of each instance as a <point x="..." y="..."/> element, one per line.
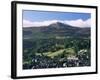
<point x="60" y="52"/>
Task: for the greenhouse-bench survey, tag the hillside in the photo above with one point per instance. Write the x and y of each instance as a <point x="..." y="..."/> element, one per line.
<point x="55" y="30"/>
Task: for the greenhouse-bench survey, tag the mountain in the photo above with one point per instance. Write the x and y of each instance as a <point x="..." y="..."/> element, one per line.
<point x="57" y="29"/>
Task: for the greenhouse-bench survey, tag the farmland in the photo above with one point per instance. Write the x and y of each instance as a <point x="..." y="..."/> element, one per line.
<point x="55" y="46"/>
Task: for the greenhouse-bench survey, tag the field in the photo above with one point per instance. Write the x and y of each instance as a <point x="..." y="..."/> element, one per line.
<point x="56" y="52"/>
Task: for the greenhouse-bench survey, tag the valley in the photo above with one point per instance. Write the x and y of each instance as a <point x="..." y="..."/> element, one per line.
<point x="56" y="46"/>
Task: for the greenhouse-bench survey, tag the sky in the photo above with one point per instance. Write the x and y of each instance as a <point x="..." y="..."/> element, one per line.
<point x="39" y="18"/>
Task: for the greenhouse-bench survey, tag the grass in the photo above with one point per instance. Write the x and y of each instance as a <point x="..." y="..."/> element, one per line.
<point x="53" y="54"/>
<point x="68" y="51"/>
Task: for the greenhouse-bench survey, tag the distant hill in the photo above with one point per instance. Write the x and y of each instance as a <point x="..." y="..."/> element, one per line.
<point x="57" y="29"/>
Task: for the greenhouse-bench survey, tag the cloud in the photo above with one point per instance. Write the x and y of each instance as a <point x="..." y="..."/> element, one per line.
<point x="77" y="23"/>
<point x="27" y="23"/>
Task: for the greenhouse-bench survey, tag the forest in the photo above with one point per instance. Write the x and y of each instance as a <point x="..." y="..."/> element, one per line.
<point x="56" y="46"/>
<point x="56" y="52"/>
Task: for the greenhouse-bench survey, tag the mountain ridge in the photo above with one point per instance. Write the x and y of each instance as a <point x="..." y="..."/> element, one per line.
<point x="57" y="29"/>
<point x="56" y="22"/>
